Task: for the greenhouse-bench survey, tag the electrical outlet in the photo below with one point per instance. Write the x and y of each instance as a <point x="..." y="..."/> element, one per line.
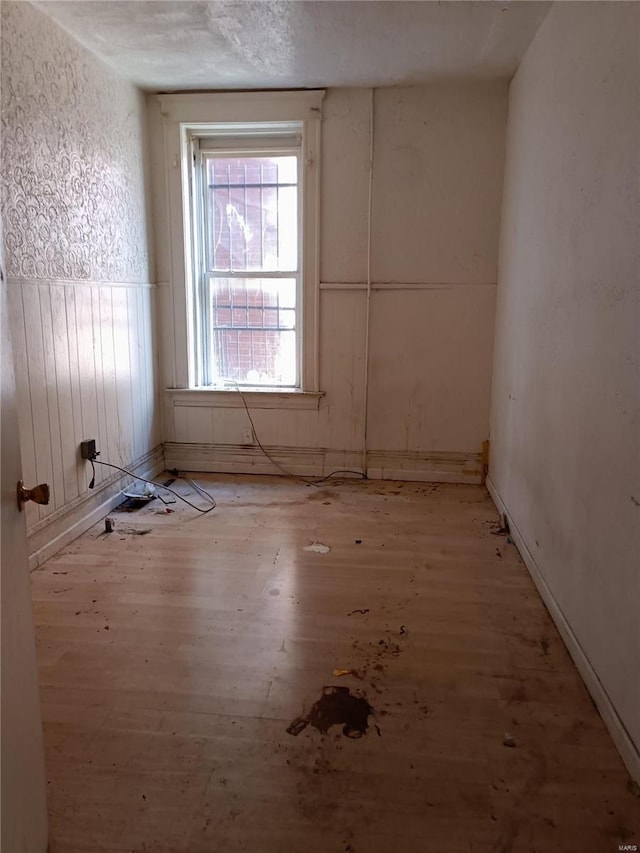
<point x="88" y="449"/>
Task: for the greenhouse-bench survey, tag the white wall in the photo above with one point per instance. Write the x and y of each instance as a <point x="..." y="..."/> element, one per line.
<point x="79" y="281"/>
<point x="437" y="187"/>
<point x="565" y="453"/>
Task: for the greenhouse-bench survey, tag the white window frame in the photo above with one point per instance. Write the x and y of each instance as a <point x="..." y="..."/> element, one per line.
<point x="187" y="115"/>
<point x="258" y="139"/>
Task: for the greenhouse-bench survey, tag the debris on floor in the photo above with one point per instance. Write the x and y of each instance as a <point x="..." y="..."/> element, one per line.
<point x="108" y="525"/>
<point x="317" y="548"/>
<point x="338" y="673"/>
<point x="437" y="694"/>
<point x="388" y="648"/>
<point x="336" y="706"/>
<point x="503" y="527"/>
<point x="132" y="504"/>
<point x="296" y="726"/>
<point x="135" y="531"/>
<point x="136" y="496"/>
<point x="140" y="492"/>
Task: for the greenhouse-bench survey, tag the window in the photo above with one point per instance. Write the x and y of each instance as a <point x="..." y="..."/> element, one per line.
<point x="247" y="205"/>
<point x="242" y="200"/>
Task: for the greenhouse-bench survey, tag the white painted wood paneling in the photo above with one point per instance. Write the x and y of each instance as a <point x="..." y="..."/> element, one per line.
<point x="124" y="436"/>
<point x="431" y="351"/>
<point x="430" y="369"/>
<point x="438" y="159"/>
<point x="62" y="391"/>
<point x="87" y="373"/>
<point x="345" y="163"/>
<point x="342" y="336"/>
<point x="148" y="363"/>
<point x="99" y="375"/>
<point x="51" y="410"/>
<point x="85" y="369"/>
<point x="74" y="373"/>
<point x="437" y="182"/>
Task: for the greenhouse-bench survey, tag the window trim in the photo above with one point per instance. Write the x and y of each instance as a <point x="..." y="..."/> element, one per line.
<point x="201" y="152"/>
<point x="256" y="398"/>
<point x="185" y="115"/>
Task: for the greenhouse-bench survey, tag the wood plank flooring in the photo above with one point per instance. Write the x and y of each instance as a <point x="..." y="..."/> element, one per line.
<point x="172" y="662"/>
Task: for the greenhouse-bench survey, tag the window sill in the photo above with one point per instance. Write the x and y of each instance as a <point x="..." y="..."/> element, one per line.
<point x="256" y="398"/>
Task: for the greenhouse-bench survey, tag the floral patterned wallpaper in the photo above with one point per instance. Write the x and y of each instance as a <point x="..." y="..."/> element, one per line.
<point x="73" y="198"/>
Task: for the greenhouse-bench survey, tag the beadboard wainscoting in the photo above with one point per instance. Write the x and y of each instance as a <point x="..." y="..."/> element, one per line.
<point x="84" y="368"/>
<point x="47" y="537"/>
<point x="79" y="267"/>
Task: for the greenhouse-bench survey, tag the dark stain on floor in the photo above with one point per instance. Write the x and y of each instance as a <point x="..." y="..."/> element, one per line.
<point x="336" y="706"/>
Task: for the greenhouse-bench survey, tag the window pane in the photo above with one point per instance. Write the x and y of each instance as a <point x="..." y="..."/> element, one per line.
<point x="252" y="213"/>
<point x="254" y="330"/>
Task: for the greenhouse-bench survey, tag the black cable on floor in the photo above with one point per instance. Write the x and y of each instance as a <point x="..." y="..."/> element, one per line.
<point x="158" y="485"/>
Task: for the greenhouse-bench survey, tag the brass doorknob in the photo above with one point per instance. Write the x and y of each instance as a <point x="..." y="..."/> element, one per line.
<point x="38" y="494"/>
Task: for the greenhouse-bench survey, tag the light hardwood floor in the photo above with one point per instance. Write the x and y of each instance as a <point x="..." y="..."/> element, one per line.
<point x="171" y="664"/>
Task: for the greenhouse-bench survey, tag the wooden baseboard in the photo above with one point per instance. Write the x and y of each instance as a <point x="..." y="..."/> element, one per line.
<point x="248" y="459"/>
<point x="50" y="535"/>
<point x="434" y="467"/>
<point x="318" y="462"/>
<point x="621" y="738"/>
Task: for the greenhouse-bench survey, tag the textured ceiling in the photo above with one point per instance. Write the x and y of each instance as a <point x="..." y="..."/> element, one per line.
<point x="227" y="44"/>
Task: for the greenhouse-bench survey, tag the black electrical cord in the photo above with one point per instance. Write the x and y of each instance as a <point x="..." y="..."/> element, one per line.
<point x="198" y="488"/>
<point x="359" y="474"/>
<point x="257" y="440"/>
<point x="158" y="485"/>
<point x="305" y="479"/>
